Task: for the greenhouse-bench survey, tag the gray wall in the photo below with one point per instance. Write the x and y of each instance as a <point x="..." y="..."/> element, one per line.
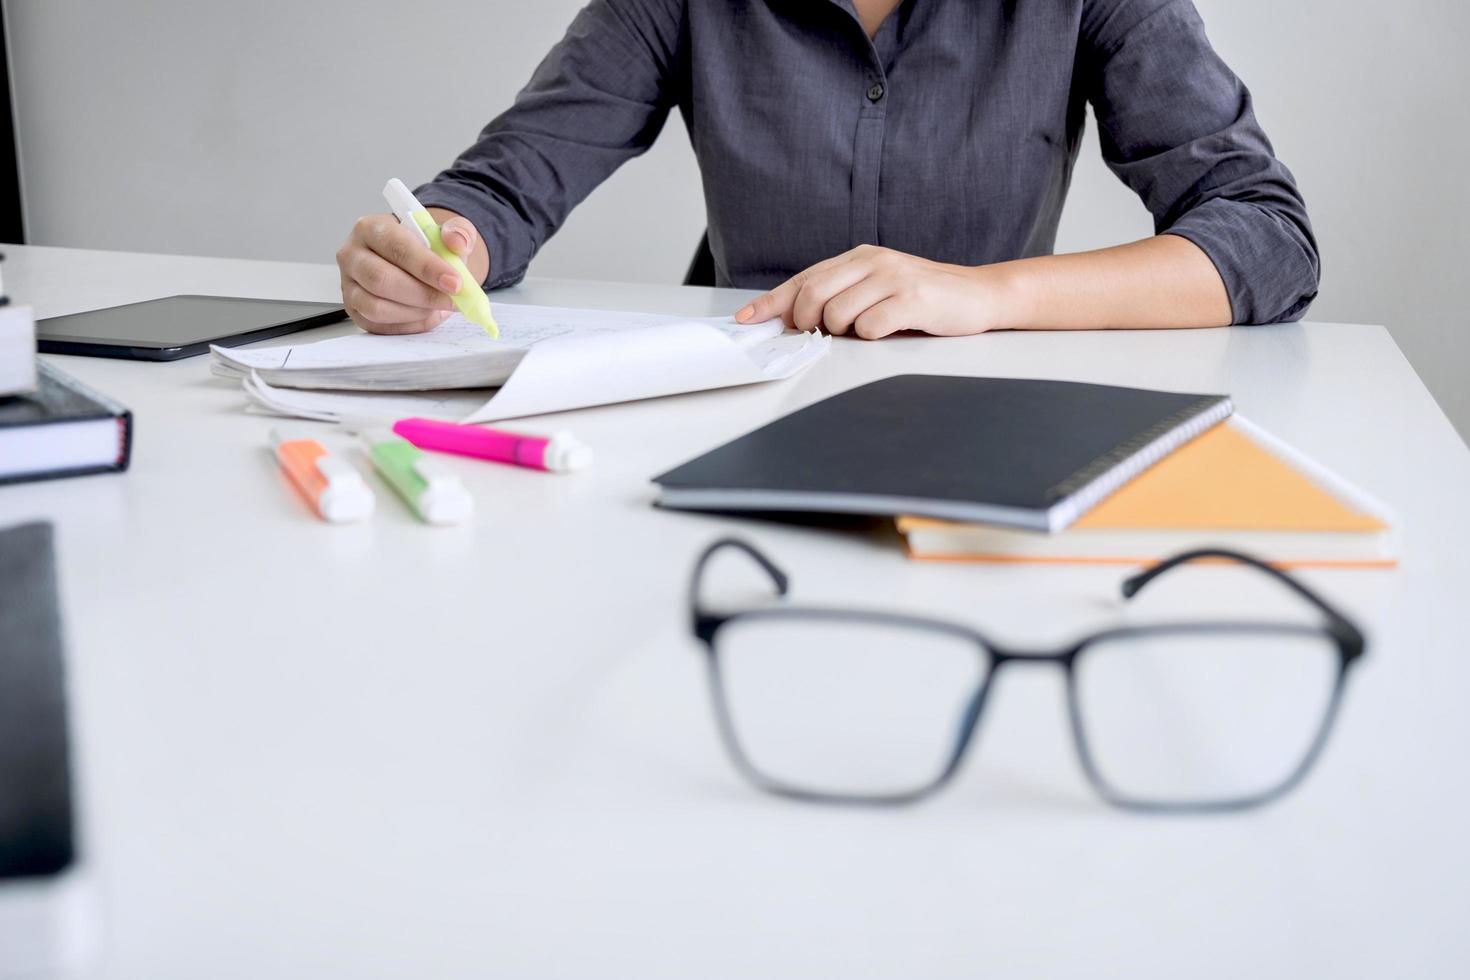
<point x="262" y="128"/>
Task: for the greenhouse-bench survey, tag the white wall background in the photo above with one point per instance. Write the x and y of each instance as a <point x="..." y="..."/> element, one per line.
<point x="263" y="128"/>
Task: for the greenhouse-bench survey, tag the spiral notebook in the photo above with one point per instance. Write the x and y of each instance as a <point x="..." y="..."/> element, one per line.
<point x="1006" y="451"/>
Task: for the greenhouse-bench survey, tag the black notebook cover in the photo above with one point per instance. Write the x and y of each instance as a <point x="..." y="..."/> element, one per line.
<point x="1035" y="454"/>
<point x="35" y="762"/>
<point x="60" y="400"/>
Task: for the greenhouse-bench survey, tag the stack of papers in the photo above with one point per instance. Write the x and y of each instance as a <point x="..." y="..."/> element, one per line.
<point x="546" y="360"/>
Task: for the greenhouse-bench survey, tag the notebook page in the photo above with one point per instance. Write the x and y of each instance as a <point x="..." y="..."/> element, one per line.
<point x="583" y="357"/>
<point x="380" y="406"/>
<point x="457" y="353"/>
<point x="573" y="373"/>
<point x="666" y="359"/>
<point x="520" y="328"/>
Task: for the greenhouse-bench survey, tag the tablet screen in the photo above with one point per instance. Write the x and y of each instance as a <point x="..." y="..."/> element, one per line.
<point x="180" y="321"/>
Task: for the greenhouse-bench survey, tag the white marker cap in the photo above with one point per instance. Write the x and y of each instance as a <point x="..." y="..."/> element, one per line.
<point x="403" y="204"/>
<point x="400" y="199"/>
<point x="347" y="497"/>
<point x="564" y="454"/>
<point x="444" y="500"/>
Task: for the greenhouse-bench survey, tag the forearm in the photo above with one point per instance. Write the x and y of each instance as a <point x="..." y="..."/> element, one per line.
<point x="1178" y="127"/>
<point x="1162" y="282"/>
<point x="598" y="99"/>
<point x="1165" y="281"/>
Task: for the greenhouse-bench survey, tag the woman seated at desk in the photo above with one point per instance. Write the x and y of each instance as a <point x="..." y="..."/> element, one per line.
<point x="884" y="165"/>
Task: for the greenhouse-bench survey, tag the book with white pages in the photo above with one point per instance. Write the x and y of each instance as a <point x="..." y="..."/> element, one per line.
<point x="547" y="359"/>
<point x="17" y="346"/>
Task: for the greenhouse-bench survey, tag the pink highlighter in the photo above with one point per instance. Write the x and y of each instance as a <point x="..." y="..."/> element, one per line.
<point x="559" y="454"/>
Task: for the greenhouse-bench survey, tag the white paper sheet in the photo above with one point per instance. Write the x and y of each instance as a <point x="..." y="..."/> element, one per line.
<point x="558" y="360"/>
<point x="456" y="354"/>
<point x="454" y="405"/>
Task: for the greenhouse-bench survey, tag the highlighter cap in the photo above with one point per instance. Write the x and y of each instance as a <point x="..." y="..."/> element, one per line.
<point x="400" y="199"/>
<point x="333" y="486"/>
<point x="564" y="454"/>
<point x="444" y="500"/>
<point x="347" y="497"/>
<point x="403" y="205"/>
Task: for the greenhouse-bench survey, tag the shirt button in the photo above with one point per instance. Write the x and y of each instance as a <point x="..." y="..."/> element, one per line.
<point x="875" y="93"/>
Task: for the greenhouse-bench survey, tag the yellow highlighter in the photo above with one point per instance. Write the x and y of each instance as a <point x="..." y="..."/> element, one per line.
<point x="471" y="299"/>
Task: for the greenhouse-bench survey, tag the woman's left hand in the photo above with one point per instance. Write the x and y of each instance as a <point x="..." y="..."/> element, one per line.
<point x="873" y="292"/>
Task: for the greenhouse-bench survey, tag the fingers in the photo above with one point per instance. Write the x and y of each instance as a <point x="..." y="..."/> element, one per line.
<point x="880" y="320"/>
<point x="385" y="278"/>
<point x="381" y="310"/>
<point x="842" y="312"/>
<point x="381" y="278"/>
<point x="808" y="310"/>
<point x="873" y="292"/>
<point x="779" y="301"/>
<point x="377" y="315"/>
<point x="421" y="326"/>
<point x="385" y="236"/>
<point x="415" y="326"/>
<point x="459" y="235"/>
<point x="775" y="303"/>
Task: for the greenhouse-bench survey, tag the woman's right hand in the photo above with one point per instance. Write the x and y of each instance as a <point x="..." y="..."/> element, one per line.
<point x="391" y="283"/>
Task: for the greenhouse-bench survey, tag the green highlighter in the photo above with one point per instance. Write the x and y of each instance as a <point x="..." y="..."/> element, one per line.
<point x="471" y="299"/>
<point x="433" y="493"/>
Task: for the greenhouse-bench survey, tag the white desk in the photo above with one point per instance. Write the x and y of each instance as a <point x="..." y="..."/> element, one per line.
<point x="397" y="751"/>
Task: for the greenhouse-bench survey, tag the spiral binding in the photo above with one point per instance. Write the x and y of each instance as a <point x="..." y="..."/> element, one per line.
<point x="1097" y="480"/>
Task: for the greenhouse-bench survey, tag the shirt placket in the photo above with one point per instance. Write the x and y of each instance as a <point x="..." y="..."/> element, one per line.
<point x="867" y="147"/>
<point x="867" y="162"/>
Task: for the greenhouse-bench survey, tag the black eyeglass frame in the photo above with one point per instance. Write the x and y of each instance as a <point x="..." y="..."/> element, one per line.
<point x="1345" y="636"/>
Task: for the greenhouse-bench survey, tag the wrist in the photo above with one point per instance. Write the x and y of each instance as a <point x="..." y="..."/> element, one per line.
<point x="1005" y="291"/>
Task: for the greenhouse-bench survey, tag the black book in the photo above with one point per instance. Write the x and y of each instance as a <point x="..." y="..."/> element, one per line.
<point x="36" y="824"/>
<point x="63" y="428"/>
<point x="1014" y="452"/>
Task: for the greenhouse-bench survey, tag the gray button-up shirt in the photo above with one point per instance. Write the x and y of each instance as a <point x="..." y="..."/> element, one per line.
<point x="950" y="135"/>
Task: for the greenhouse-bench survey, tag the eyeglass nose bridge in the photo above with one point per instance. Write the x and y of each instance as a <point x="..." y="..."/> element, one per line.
<point x="999" y="657"/>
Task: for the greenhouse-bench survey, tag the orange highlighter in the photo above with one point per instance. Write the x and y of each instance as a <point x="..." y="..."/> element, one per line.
<point x="333" y="487"/>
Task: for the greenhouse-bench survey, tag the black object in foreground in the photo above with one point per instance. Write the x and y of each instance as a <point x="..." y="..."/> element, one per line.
<point x="852" y="705"/>
<point x="1015" y="452"/>
<point x="35" y="768"/>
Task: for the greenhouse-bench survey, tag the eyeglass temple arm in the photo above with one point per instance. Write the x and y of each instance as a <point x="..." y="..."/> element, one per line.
<point x="1339" y="622"/>
<point x="704" y="622"/>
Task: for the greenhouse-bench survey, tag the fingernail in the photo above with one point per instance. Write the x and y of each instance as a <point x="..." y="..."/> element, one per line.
<point x="745" y="314"/>
<point x="441" y="316"/>
<point x="449" y="283"/>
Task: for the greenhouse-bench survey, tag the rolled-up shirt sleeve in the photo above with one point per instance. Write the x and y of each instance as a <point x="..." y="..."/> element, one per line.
<point x="1177" y="126"/>
<point x="598" y="99"/>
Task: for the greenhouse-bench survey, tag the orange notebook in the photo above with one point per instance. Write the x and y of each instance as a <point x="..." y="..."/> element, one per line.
<point x="1236" y="486"/>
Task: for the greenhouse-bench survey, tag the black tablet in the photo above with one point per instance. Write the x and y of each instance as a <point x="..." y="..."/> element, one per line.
<point x="178" y="326"/>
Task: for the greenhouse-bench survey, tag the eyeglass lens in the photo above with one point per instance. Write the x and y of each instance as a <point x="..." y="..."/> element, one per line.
<point x="1181" y="716"/>
<point x="871" y="708"/>
<point x="846" y="707"/>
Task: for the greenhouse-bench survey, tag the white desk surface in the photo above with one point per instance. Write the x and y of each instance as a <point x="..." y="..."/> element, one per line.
<point x="396" y="751"/>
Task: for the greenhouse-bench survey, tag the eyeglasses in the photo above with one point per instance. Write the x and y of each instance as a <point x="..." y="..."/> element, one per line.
<point x="854" y="706"/>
